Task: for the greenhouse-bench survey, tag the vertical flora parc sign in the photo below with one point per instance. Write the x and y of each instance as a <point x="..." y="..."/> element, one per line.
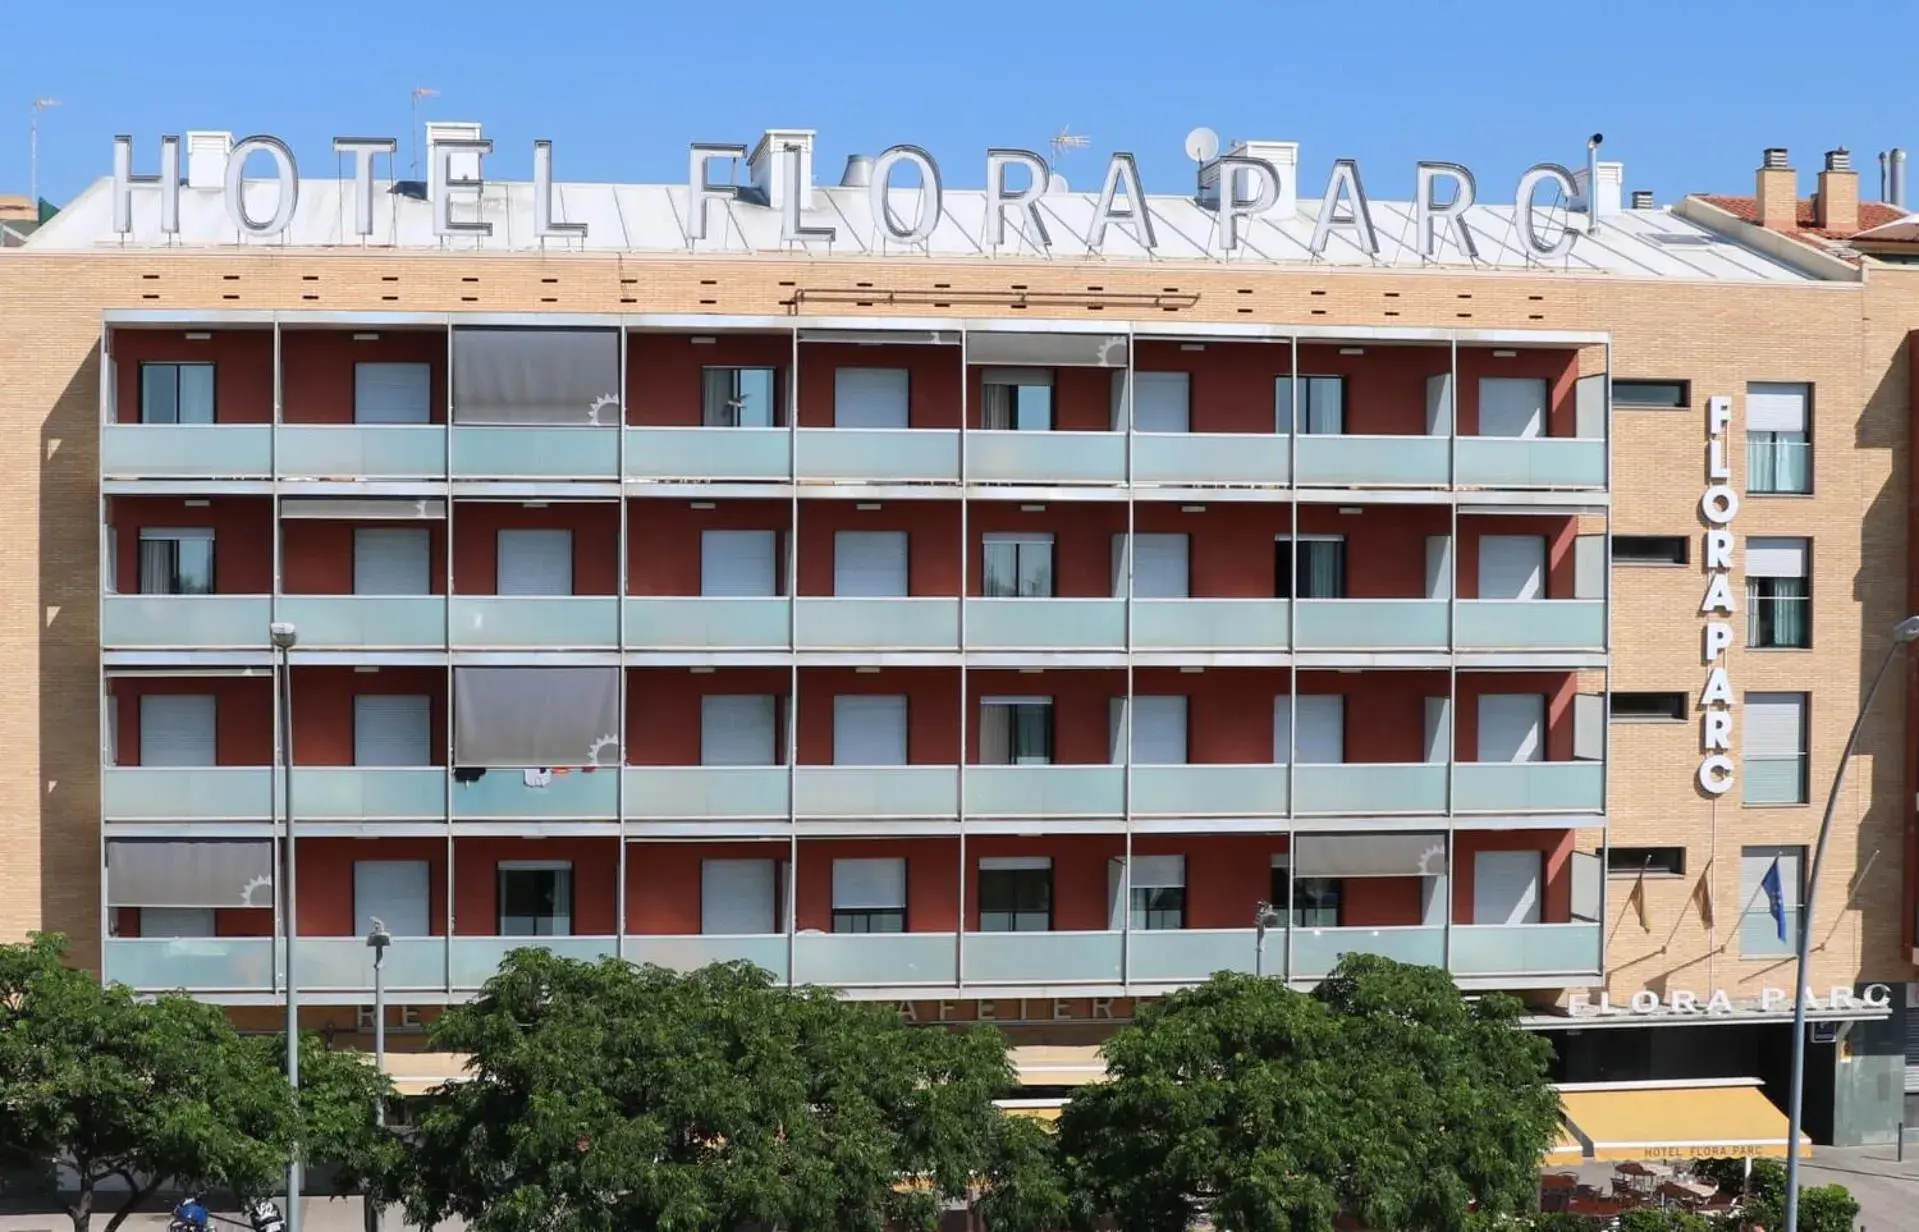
<point x="1718" y="505"/>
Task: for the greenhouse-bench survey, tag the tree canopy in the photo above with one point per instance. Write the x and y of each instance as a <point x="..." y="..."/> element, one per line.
<point x="1383" y="1094"/>
<point x="606" y="1097"/>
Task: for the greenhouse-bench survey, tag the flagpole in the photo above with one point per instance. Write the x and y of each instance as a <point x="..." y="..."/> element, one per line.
<point x="1905" y="632"/>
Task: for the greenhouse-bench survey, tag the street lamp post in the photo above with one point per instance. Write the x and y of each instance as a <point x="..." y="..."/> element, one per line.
<point x="1265" y="917"/>
<point x="1903" y="634"/>
<point x="377" y="940"/>
<point x="284" y="635"/>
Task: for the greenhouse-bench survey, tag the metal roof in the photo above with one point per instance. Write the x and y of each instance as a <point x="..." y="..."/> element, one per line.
<point x="643" y="218"/>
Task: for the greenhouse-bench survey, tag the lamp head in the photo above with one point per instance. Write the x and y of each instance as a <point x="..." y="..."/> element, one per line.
<point x="283" y="634"/>
<point x="1265" y="915"/>
<point x="1906" y="630"/>
<point x="379" y="938"/>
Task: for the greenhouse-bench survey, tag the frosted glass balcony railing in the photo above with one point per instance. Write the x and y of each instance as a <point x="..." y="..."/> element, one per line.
<point x="369" y="622"/>
<point x="577" y="794"/>
<point x="1043" y="958"/>
<point x="185" y="622"/>
<point x="535" y="452"/>
<point x="866" y="960"/>
<point x="1210" y="624"/>
<point x="476" y="959"/>
<point x="1531" y="462"/>
<point x="1371" y="788"/>
<point x="876" y="791"/>
<point x="1524" y="949"/>
<point x="186" y="793"/>
<point x="1532" y="624"/>
<point x="352" y="451"/>
<point x="690" y="953"/>
<point x="1208" y="791"/>
<point x="703" y="793"/>
<point x="907" y="455"/>
<point x="196" y="964"/>
<point x="186" y="451"/>
<point x="877" y="624"/>
<point x="708" y="453"/>
<point x="345" y="964"/>
<point x="1316" y="951"/>
<point x="369" y="793"/>
<point x="706" y="624"/>
<point x="1192" y="955"/>
<point x="1369" y="624"/>
<point x="1045" y="624"/>
<point x="1173" y="458"/>
<point x="1529" y="787"/>
<point x="1046" y="457"/>
<point x="1045" y="791"/>
<point x="541" y="622"/>
<point x="1373" y="461"/>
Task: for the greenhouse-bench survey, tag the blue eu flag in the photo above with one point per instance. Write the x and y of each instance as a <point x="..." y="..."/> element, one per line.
<point x="1775" y="897"/>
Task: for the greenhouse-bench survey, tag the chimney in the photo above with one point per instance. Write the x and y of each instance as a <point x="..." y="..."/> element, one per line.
<point x="1612" y="178"/>
<point x="463" y="165"/>
<point x="767" y="166"/>
<point x="1896" y="178"/>
<point x="207" y="159"/>
<point x="1835" y="207"/>
<point x="1642" y="199"/>
<point x="1776" y="192"/>
<point x="859" y="171"/>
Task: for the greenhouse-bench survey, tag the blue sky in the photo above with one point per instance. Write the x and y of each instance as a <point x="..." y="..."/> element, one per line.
<point x="1686" y="93"/>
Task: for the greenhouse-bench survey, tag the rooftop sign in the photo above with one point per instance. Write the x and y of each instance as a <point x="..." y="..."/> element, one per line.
<point x="1237" y="188"/>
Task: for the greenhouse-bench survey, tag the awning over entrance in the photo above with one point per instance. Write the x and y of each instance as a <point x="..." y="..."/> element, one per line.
<point x="1703" y="1118"/>
<point x="416" y="1073"/>
<point x="1057" y="1065"/>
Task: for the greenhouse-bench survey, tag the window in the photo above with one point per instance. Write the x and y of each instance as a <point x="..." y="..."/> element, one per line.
<point x="1775" y="756"/>
<point x="1652" y="395"/>
<point x="1016" y="731"/>
<point x="1322" y="404"/>
<point x="739" y="397"/>
<point x="176" y="393"/>
<point x="869" y="896"/>
<point x="1017" y="400"/>
<point x="1650" y="549"/>
<point x="1652" y="861"/>
<point x="1305" y="902"/>
<point x="392" y="393"/>
<point x="1648" y="707"/>
<point x="1771" y="883"/>
<point x="1158" y="897"/>
<point x="1015" y="894"/>
<point x="536" y="899"/>
<point x="1315" y="568"/>
<point x="1778" y="443"/>
<point x="1778" y="594"/>
<point x="392" y="560"/>
<point x="1018" y="566"/>
<point x="176" y="562"/>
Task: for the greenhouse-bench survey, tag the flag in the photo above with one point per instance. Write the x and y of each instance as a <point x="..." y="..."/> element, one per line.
<point x="1638" y="897"/>
<point x="1775" y="897"/>
<point x="1702" y="896"/>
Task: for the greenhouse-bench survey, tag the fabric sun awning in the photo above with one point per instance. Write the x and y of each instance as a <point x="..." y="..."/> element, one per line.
<point x="418" y="1073"/>
<point x="1043" y="1110"/>
<point x="1708" y="1118"/>
<point x="1057" y="1065"/>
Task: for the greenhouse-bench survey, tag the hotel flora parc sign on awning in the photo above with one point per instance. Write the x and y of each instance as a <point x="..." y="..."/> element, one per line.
<point x="1248" y="188"/>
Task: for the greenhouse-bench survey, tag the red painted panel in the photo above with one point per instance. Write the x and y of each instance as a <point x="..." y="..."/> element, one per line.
<point x="323" y="709"/>
<point x="1559" y="689"/>
<point x="318" y="555"/>
<point x="1082" y="541"/>
<point x="1559" y="533"/>
<point x="476" y="880"/>
<point x="242" y="715"/>
<point x="932" y="381"/>
<point x="663" y="709"/>
<point x="242" y="374"/>
<point x="1559" y="369"/>
<point x="663" y="540"/>
<point x="242" y="529"/>
<point x="316" y="369"/>
<point x="932" y="717"/>
<point x="596" y="534"/>
<point x="326" y="907"/>
<point x="663" y="379"/>
<point x="1556" y="847"/>
<point x="932" y="548"/>
<point x="1082" y="398"/>
<point x="1082" y="708"/>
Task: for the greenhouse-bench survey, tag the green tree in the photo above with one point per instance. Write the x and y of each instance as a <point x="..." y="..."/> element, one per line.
<point x="604" y="1097"/>
<point x="1383" y="1095"/>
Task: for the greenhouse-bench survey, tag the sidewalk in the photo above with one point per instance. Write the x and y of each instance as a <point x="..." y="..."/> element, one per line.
<point x="317" y="1215"/>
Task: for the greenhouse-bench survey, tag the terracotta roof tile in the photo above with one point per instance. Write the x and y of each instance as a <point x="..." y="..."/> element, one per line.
<point x="1871" y="214"/>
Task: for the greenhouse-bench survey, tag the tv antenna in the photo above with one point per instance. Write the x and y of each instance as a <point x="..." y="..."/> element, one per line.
<point x="33" y="153"/>
<point x="419" y="92"/>
<point x="1065" y="140"/>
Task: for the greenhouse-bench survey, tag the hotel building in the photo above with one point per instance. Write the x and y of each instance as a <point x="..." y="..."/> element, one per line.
<point x="1012" y="631"/>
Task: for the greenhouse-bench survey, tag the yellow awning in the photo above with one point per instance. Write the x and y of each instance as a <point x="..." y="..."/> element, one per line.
<point x="416" y="1073"/>
<point x="1057" y="1065"/>
<point x="1047" y="1110"/>
<point x="1677" y="1120"/>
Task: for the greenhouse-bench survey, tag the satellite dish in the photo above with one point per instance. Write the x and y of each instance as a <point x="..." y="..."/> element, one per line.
<point x="1057" y="184"/>
<point x="1202" y="145"/>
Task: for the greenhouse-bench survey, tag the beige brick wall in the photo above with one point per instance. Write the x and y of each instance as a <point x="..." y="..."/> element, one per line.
<point x="1849" y="340"/>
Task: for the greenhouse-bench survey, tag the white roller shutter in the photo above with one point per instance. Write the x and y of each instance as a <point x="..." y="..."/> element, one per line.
<point x="394" y="892"/>
<point x="1512" y="727"/>
<point x="1506" y="887"/>
<point x="1775" y="724"/>
<point x="1512" y="567"/>
<point x="1159" y="567"/>
<point x="869" y="730"/>
<point x="869" y="885"/>
<point x="177" y="729"/>
<point x="392" y="393"/>
<point x="1322" y="728"/>
<point x="869" y="563"/>
<point x="1512" y="406"/>
<point x="1776" y="558"/>
<point x="392" y="560"/>
<point x="1162" y="402"/>
<point x="739" y="898"/>
<point x="870" y="398"/>
<point x="737" y="730"/>
<point x="535" y="562"/>
<point x="1159" y="731"/>
<point x="392" y="729"/>
<point x="1777" y="407"/>
<point x="739" y="563"/>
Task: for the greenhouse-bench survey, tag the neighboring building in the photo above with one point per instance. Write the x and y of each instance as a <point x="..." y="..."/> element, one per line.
<point x="828" y="658"/>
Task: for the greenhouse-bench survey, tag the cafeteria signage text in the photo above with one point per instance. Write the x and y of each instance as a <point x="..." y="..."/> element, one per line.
<point x="1247" y="187"/>
<point x="1679" y="1002"/>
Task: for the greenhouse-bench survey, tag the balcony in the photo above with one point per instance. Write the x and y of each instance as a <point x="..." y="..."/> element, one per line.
<point x="1530" y="787"/>
<point x="684" y="953"/>
<point x="186" y="793"/>
<point x="1045" y="791"/>
<point x="367" y="622"/>
<point x="1211" y="624"/>
<point x="1373" y="461"/>
<point x="185" y="622"/>
<point x="186" y="451"/>
<point x="531" y="795"/>
<point x="1531" y="462"/>
<point x="1042" y="958"/>
<point x="535" y="453"/>
<point x="1192" y="955"/>
<point x="877" y="624"/>
<point x="369" y="793"/>
<point x="543" y="622"/>
<point x="1046" y="457"/>
<point x="706" y="793"/>
<point x="1370" y="624"/>
<point x="1046" y="624"/>
<point x="193" y="964"/>
<point x="1180" y="458"/>
<point x="1316" y="951"/>
<point x="1525" y="949"/>
<point x="873" y="960"/>
<point x="1370" y="789"/>
<point x="737" y="454"/>
<point x="1532" y="624"/>
<point x="392" y="452"/>
<point x="1208" y="791"/>
<point x="836" y="792"/>
<point x="878" y="455"/>
<point x="345" y="964"/>
<point x="707" y="624"/>
<point x="475" y="959"/>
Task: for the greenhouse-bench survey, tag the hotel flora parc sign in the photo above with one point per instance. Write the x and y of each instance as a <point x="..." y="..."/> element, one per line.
<point x="1248" y="188"/>
<point x="1719" y="504"/>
